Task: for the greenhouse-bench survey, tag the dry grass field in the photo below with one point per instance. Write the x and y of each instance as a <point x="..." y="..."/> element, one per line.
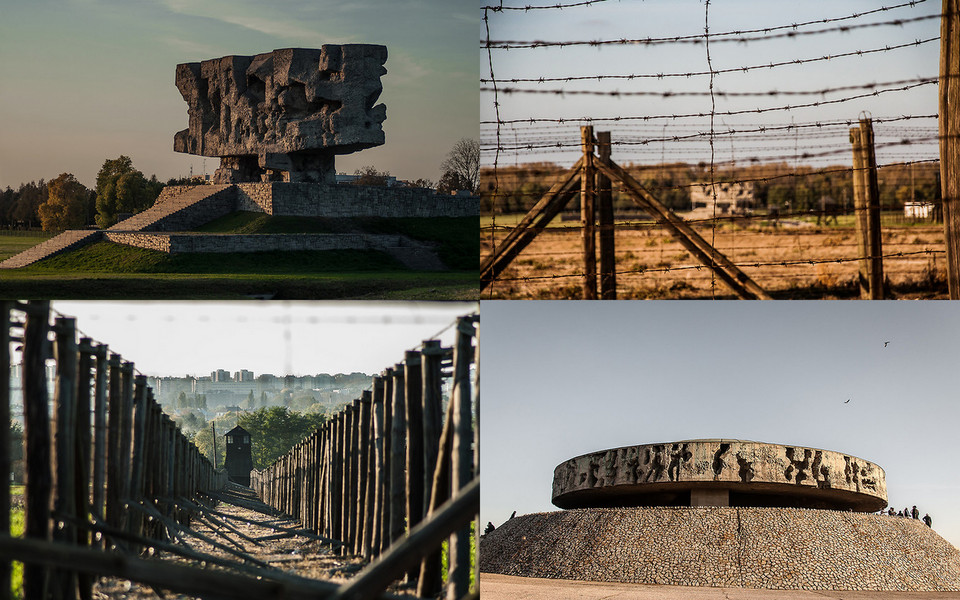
<point x="787" y="261"/>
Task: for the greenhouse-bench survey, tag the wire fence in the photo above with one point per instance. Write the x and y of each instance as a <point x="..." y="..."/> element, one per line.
<point x="711" y="143"/>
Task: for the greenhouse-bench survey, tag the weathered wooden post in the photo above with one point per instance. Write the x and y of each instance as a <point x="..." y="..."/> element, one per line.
<point x="5" y="315"/>
<point x="866" y="196"/>
<point x="363" y="479"/>
<point x="65" y="400"/>
<point x="608" y="257"/>
<point x="462" y="458"/>
<point x="385" y="537"/>
<point x="379" y="466"/>
<point x="100" y="432"/>
<point x="114" y="474"/>
<point x="139" y="431"/>
<point x="398" y="452"/>
<point x="430" y="580"/>
<point x="413" y="392"/>
<point x="588" y="215"/>
<point x="949" y="129"/>
<point x="39" y="479"/>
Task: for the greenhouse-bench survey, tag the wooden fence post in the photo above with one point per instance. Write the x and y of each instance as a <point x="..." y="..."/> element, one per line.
<point x="65" y="398"/>
<point x="5" y="314"/>
<point x="588" y="215"/>
<point x="430" y="580"/>
<point x="398" y="454"/>
<point x="458" y="580"/>
<point x="866" y="198"/>
<point x="385" y="507"/>
<point x="100" y="433"/>
<point x="363" y="472"/>
<point x="608" y="257"/>
<point x="114" y="476"/>
<point x="379" y="466"/>
<point x="949" y="131"/>
<point x="39" y="480"/>
<point x="413" y="393"/>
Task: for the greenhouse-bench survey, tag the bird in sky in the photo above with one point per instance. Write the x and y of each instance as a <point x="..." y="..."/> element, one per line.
<point x="847" y="401"/>
<point x="885" y="344"/>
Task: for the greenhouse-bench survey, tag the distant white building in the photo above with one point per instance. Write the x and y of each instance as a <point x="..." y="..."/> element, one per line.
<point x="723" y="198"/>
<point x="918" y="210"/>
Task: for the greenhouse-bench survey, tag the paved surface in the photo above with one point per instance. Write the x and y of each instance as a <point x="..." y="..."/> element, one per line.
<point x="506" y="587"/>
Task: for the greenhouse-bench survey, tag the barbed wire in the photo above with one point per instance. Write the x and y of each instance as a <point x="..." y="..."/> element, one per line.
<point x="729" y="36"/>
<point x="560" y="6"/>
<point x="753" y="264"/>
<point x="743" y="69"/>
<point x="717" y="93"/>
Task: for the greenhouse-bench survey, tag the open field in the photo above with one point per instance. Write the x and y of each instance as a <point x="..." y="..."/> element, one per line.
<point x="797" y="260"/>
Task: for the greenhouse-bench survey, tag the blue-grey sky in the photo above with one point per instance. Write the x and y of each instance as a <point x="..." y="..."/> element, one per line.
<point x="300" y="338"/>
<point x="564" y="378"/>
<point x="616" y="20"/>
<point x="88" y="80"/>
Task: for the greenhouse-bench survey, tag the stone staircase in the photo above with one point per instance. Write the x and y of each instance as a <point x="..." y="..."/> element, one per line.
<point x="179" y="208"/>
<point x="68" y="240"/>
<point x="183" y="208"/>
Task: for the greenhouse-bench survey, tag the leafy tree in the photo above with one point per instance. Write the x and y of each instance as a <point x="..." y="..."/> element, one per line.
<point x="203" y="440"/>
<point x="275" y="430"/>
<point x="65" y="205"/>
<point x="122" y="188"/>
<point x="371" y="176"/>
<point x="461" y="167"/>
<point x="181" y="400"/>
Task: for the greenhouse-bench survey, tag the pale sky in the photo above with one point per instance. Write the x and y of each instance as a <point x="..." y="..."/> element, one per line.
<point x="565" y="378"/>
<point x="88" y="80"/>
<point x="669" y="18"/>
<point x="280" y="338"/>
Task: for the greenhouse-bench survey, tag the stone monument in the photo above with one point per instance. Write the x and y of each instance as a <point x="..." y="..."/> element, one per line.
<point x="723" y="513"/>
<point x="283" y="115"/>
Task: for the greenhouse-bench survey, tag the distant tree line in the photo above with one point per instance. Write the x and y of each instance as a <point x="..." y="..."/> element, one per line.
<point x="778" y="185"/>
<point x="65" y="203"/>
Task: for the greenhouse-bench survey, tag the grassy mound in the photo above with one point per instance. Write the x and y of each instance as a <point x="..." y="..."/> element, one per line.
<point x="457" y="238"/>
<point x="107" y="257"/>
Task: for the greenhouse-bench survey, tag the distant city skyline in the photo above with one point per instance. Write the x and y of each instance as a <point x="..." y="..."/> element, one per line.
<point x="292" y="338"/>
<point x="90" y="80"/>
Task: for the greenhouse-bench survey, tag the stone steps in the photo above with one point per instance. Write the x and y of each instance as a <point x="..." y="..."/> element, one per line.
<point x="68" y="240"/>
<point x="182" y="209"/>
<point x="416" y="258"/>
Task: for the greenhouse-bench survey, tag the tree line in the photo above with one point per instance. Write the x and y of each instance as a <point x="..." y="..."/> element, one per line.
<point x="65" y="203"/>
<point x="779" y="185"/>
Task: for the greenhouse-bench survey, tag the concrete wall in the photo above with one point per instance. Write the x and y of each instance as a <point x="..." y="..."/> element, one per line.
<point x="775" y="548"/>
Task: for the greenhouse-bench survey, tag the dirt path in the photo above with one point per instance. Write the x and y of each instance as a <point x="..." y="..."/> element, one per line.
<point x="290" y="553"/>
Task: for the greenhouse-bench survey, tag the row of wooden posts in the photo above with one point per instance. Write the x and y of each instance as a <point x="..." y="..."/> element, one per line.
<point x="101" y="463"/>
<point x="388" y="461"/>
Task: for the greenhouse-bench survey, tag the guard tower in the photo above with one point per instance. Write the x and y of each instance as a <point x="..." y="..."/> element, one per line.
<point x="239" y="455"/>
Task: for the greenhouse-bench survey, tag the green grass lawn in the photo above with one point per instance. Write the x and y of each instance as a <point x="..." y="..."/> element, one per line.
<point x="106" y="270"/>
<point x="14" y="242"/>
<point x="16" y="530"/>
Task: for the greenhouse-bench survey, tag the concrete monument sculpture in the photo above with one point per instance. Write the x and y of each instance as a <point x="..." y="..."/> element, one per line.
<point x="283" y="115"/>
<point x="723" y="513"/>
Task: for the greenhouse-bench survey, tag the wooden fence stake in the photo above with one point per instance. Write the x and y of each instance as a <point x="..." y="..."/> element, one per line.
<point x="5" y="314"/>
<point x="949" y="122"/>
<point x="39" y="480"/>
<point x="608" y="258"/>
<point x="866" y="197"/>
<point x="65" y="582"/>
<point x="588" y="217"/>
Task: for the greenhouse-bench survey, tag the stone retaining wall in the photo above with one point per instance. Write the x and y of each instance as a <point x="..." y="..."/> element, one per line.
<point x="773" y="548"/>
<point x="326" y="200"/>
<point x="224" y="242"/>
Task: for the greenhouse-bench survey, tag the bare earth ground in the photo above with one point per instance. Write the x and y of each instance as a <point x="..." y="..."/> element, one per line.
<point x="294" y="555"/>
<point x="650" y="264"/>
<point x="507" y="587"/>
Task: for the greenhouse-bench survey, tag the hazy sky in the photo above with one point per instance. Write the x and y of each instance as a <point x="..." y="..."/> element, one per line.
<point x="565" y="378"/>
<point x="300" y="338"/>
<point x="87" y="80"/>
<point x="668" y="18"/>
